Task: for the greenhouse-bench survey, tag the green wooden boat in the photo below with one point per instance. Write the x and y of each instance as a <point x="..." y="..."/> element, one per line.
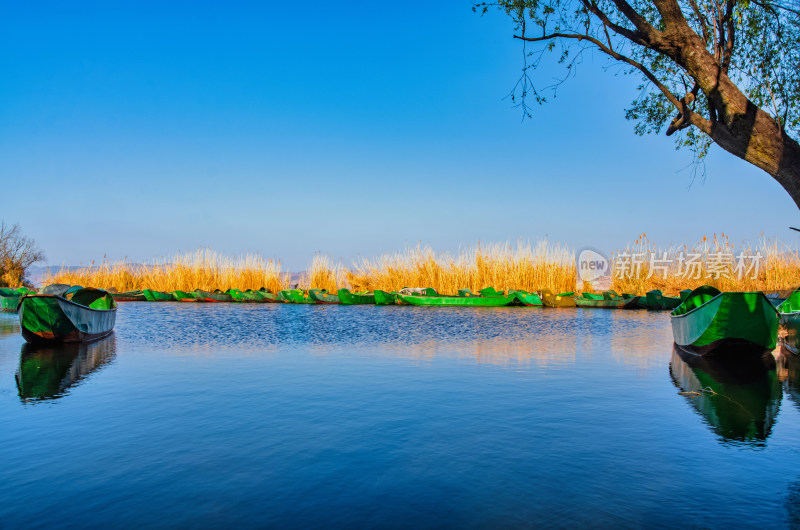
<point x="470" y="301"/>
<point x="557" y="300"/>
<point x="183" y="296"/>
<point x="385" y="298"/>
<point x="323" y="297"/>
<point x="348" y="298"/>
<point x="9" y="299"/>
<point x="655" y="300"/>
<point x="157" y="296"/>
<point x="607" y="300"/>
<point x="738" y="398"/>
<point x="525" y="298"/>
<point x="129" y="296"/>
<point x="248" y="296"/>
<point x="216" y="296"/>
<point x="296" y="296"/>
<point x="269" y="297"/>
<point x="80" y="315"/>
<point x="789" y="319"/>
<point x="47" y="372"/>
<point x="708" y="320"/>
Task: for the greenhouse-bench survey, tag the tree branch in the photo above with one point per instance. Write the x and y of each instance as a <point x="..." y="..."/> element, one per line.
<point x="680" y="104"/>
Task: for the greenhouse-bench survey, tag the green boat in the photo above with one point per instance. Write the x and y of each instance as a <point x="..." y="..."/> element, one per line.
<point x="470" y="301"/>
<point x="248" y="296"/>
<point x="183" y="296"/>
<point x="9" y="298"/>
<point x="709" y="319"/>
<point x="525" y="298"/>
<point x="789" y="319"/>
<point x="607" y="300"/>
<point x="296" y="296"/>
<point x="323" y="297"/>
<point x="268" y="296"/>
<point x="348" y="298"/>
<point x="557" y="300"/>
<point x="490" y="291"/>
<point x="47" y="372"/>
<point x="129" y="296"/>
<point x="157" y="296"/>
<point x="655" y="300"/>
<point x="385" y="298"/>
<point x="74" y="315"/>
<point x="216" y="296"/>
<point x="738" y="398"/>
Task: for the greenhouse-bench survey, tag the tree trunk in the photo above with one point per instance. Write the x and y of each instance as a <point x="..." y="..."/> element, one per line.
<point x="741" y="128"/>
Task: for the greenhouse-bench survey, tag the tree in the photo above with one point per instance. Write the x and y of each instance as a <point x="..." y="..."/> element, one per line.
<point x="17" y="253"/>
<point x="724" y="72"/>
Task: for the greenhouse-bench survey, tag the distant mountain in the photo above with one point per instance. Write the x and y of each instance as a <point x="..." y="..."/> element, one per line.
<point x="37" y="273"/>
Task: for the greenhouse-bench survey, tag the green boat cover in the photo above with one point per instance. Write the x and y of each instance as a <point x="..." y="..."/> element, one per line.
<point x="708" y="317"/>
<point x="82" y="315"/>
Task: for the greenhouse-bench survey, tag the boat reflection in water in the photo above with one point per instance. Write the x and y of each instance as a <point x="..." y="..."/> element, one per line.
<point x="789" y="373"/>
<point x="48" y="372"/>
<point x="739" y="397"/>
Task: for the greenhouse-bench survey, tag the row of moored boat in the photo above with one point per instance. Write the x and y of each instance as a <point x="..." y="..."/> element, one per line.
<point x="704" y="320"/>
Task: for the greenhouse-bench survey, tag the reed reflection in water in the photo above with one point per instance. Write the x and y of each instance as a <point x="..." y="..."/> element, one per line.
<point x="738" y="397"/>
<point x="47" y="373"/>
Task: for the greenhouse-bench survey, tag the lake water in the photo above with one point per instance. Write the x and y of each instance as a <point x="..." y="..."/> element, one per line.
<point x="222" y="415"/>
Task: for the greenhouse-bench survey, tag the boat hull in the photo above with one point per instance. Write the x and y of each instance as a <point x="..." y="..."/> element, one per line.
<point x="620" y="303"/>
<point x="348" y="298"/>
<point x="457" y="301"/>
<point x="710" y="322"/>
<point x="321" y="297"/>
<point x="385" y="298"/>
<point x="157" y="296"/>
<point x="48" y="319"/>
<point x="550" y="299"/>
<point x="129" y="296"/>
<point x="206" y="296"/>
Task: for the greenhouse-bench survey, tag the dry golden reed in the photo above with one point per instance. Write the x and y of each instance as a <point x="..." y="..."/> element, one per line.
<point x="768" y="266"/>
<point x="525" y="266"/>
<point x="500" y="265"/>
<point x="201" y="269"/>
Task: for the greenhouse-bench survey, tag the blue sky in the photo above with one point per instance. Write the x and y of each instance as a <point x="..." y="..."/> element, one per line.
<point x="349" y="128"/>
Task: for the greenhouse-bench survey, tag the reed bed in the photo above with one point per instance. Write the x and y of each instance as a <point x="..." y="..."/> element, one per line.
<point x="767" y="266"/>
<point x="323" y="274"/>
<point x="201" y="269"/>
<point x="501" y="265"/>
<point x="640" y="267"/>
